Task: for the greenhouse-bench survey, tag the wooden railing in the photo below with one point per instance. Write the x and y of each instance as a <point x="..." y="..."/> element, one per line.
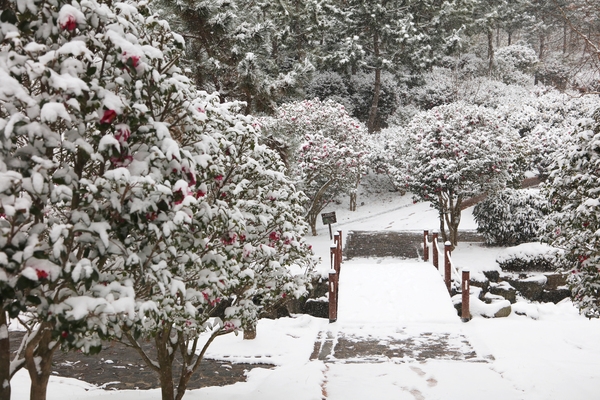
<point x="449" y="269"/>
<point x="334" y="275"/>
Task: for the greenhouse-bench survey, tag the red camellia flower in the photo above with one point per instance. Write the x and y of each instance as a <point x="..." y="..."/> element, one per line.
<point x="122" y="135"/>
<point x="41" y="274"/>
<point x="70" y="24"/>
<point x="274" y="236"/>
<point x="108" y="117"/>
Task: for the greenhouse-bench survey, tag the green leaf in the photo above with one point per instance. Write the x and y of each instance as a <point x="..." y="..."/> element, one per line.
<point x="9" y="16"/>
<point x="34" y="300"/>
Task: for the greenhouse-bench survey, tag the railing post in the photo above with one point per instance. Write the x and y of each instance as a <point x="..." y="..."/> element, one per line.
<point x="436" y="251"/>
<point x="333" y="289"/>
<point x="425" y="246"/>
<point x="466" y="291"/>
<point x="447" y="273"/>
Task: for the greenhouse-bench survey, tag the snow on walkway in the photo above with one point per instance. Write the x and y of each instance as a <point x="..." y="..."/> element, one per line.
<point x="392" y="292"/>
<point x="398" y="335"/>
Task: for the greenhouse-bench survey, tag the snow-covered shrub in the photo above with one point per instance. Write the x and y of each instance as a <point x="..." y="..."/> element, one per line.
<point x="454" y="152"/>
<point x="518" y="56"/>
<point x="330" y="85"/>
<point x="510" y="217"/>
<point x="572" y="190"/>
<point x="132" y="205"/>
<point x="530" y="257"/>
<point x="440" y="87"/>
<point x="554" y="71"/>
<point x="327" y="150"/>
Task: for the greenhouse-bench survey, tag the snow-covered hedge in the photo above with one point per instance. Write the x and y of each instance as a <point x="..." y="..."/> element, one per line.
<point x="530" y="257"/>
<point x="510" y="217"/>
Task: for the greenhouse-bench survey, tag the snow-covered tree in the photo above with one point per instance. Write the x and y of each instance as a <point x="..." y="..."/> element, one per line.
<point x="133" y="205"/>
<point x="572" y="189"/>
<point x="326" y="150"/>
<point x="453" y="152"/>
<point x="257" y="52"/>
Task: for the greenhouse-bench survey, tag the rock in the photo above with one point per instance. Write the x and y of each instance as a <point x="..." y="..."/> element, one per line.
<point x="319" y="309"/>
<point x="493" y="276"/>
<point x="530" y="288"/>
<point x="484" y="285"/>
<point x="555" y="280"/>
<point x="505" y="290"/>
<point x="554" y="296"/>
<point x="503" y="312"/>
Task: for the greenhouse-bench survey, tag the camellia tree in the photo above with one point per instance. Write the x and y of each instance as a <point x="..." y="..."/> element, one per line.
<point x="132" y="205"/>
<point x="326" y="151"/>
<point x="572" y="190"/>
<point x="454" y="152"/>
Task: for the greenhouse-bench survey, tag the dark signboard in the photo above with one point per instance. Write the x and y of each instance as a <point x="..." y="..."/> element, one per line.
<point x="328" y="218"/>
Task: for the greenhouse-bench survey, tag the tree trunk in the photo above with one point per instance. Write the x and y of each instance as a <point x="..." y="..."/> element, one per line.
<point x="165" y="361"/>
<point x="353" y="201"/>
<point x="490" y="37"/>
<point x="38" y="360"/>
<point x="250" y="332"/>
<point x="542" y="46"/>
<point x="4" y="357"/>
<point x="377" y="89"/>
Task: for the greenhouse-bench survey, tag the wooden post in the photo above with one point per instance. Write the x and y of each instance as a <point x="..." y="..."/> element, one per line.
<point x="447" y="247"/>
<point x="466" y="291"/>
<point x="333" y="289"/>
<point x="425" y="246"/>
<point x="340" y="242"/>
<point x="436" y="251"/>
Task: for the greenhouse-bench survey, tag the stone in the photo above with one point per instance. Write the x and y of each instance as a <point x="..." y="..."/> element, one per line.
<point x="554" y="281"/>
<point x="493" y="276"/>
<point x="505" y="290"/>
<point x="503" y="312"/>
<point x="554" y="296"/>
<point x="319" y="309"/>
<point x="530" y="289"/>
<point x="484" y="285"/>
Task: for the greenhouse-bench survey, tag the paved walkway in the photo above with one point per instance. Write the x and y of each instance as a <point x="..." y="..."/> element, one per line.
<point x="412" y="297"/>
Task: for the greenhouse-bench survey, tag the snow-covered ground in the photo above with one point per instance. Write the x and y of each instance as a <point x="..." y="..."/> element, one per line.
<point x="556" y="356"/>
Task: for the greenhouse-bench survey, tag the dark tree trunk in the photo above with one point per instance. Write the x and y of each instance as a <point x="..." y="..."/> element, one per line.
<point x="165" y="361"/>
<point x="371" y="125"/>
<point x="38" y="361"/>
<point x="490" y="38"/>
<point x="4" y="357"/>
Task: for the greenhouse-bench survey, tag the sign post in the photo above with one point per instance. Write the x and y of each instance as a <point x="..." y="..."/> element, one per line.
<point x="328" y="219"/>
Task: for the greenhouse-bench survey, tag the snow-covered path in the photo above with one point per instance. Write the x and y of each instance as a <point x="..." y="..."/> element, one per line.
<point x="394" y="287"/>
<point x="388" y="304"/>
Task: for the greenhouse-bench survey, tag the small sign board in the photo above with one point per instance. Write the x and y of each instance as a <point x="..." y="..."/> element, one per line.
<point x="328" y="218"/>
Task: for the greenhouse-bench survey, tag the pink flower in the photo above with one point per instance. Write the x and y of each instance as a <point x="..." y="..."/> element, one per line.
<point x="219" y="178"/>
<point x="108" y="117"/>
<point x="200" y="193"/>
<point x="229" y="326"/>
<point x="70" y="24"/>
